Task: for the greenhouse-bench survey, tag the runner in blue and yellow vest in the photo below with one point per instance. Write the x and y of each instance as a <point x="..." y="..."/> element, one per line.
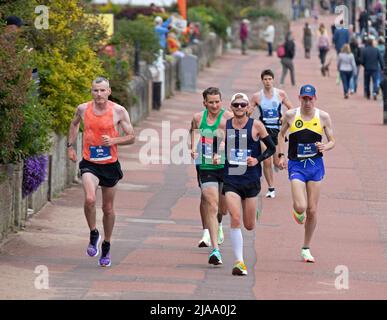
<point x="306" y="126"/>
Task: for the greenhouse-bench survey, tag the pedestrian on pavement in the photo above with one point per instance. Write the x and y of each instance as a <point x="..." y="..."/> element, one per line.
<point x="267" y="106"/>
<point x="381" y="47"/>
<point x="207" y="126"/>
<point x="287" y="60"/>
<point x="99" y="166"/>
<point x="355" y="49"/>
<point x="322" y="43"/>
<point x="371" y="60"/>
<point x="305" y="166"/>
<point x="346" y="65"/>
<point x="340" y="37"/>
<point x="307" y="39"/>
<point x="295" y="9"/>
<point x="244" y="34"/>
<point x="243" y="172"/>
<point x="268" y="35"/>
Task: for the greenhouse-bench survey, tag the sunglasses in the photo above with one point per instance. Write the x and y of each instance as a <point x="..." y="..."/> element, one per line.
<point x="239" y="104"/>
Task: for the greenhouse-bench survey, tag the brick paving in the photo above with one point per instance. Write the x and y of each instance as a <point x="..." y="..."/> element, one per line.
<point x="154" y="246"/>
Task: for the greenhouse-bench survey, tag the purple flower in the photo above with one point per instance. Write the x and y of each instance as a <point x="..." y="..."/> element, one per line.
<point x="34" y="173"/>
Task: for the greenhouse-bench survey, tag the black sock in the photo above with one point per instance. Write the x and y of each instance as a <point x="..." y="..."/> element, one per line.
<point x="105" y="247"/>
<point x="94" y="232"/>
<point x="271" y="189"/>
<point x="304" y="248"/>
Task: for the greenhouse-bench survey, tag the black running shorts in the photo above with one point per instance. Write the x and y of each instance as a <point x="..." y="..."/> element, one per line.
<point x="249" y="190"/>
<point x="108" y="174"/>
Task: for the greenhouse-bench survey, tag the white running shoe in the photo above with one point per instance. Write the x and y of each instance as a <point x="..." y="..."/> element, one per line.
<point x="307" y="256"/>
<point x="270" y="194"/>
<point x="205" y="241"/>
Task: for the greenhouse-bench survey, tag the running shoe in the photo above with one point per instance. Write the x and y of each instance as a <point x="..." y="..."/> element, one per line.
<point x="92" y="248"/>
<point x="220" y="235"/>
<point x="215" y="258"/>
<point x="306" y="256"/>
<point x="270" y="194"/>
<point x="239" y="269"/>
<point x="299" y="218"/>
<point x="104" y="260"/>
<point x="205" y="241"/>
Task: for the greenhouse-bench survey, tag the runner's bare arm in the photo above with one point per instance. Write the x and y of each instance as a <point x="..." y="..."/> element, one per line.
<point x="328" y="129"/>
<point x="280" y="161"/>
<point x="285" y="100"/>
<point x="194" y="135"/>
<point x="126" y="126"/>
<point x="253" y="102"/>
<point x="73" y="132"/>
<point x="261" y="132"/>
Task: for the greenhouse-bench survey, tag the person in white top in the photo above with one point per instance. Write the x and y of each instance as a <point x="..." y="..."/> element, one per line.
<point x="268" y="35"/>
<point x="346" y="65"/>
<point x="266" y="106"/>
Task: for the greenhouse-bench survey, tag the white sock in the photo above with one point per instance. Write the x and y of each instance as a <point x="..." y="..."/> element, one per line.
<point x="220" y="224"/>
<point x="206" y="233"/>
<point x="237" y="243"/>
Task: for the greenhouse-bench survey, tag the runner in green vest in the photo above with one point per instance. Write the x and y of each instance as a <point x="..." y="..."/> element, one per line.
<point x="207" y="128"/>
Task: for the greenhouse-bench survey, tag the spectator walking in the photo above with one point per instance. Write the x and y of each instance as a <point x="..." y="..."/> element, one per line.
<point x="340" y="37"/>
<point x="371" y="59"/>
<point x="307" y="39"/>
<point x="355" y="49"/>
<point x="244" y="34"/>
<point x="287" y="60"/>
<point x="381" y="47"/>
<point x="322" y="43"/>
<point x="346" y="65"/>
<point x="268" y="35"/>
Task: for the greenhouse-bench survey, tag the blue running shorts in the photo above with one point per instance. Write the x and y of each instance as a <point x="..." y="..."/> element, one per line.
<point x="306" y="170"/>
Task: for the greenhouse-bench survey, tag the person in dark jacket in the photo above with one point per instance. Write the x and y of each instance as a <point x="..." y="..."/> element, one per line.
<point x="340" y="37"/>
<point x="307" y="40"/>
<point x="287" y="60"/>
<point x="371" y="59"/>
<point x="355" y="49"/>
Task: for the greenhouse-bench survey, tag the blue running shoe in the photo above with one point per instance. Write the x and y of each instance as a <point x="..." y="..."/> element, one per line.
<point x="215" y="258"/>
<point x="92" y="248"/>
<point x="104" y="260"/>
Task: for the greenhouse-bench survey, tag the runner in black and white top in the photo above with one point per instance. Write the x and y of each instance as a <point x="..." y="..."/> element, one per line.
<point x="267" y="105"/>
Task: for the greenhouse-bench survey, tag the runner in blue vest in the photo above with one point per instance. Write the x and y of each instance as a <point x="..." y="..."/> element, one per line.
<point x="267" y="105"/>
<point x="242" y="172"/>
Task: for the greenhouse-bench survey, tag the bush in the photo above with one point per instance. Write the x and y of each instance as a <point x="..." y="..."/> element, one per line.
<point x="209" y="19"/>
<point x="118" y="69"/>
<point x="255" y="13"/>
<point x="66" y="60"/>
<point x="34" y="173"/>
<point x="142" y="32"/>
<point x="14" y="83"/>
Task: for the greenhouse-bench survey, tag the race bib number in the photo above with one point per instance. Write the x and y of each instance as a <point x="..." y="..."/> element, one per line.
<point x="239" y="156"/>
<point x="207" y="151"/>
<point x="306" y="150"/>
<point x="99" y="153"/>
<point x="270" y="115"/>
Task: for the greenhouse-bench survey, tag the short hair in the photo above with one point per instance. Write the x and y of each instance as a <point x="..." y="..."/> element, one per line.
<point x="211" y="91"/>
<point x="267" y="72"/>
<point x="100" y="80"/>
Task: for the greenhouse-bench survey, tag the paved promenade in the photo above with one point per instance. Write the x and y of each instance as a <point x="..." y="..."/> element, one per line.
<point x="154" y="245"/>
